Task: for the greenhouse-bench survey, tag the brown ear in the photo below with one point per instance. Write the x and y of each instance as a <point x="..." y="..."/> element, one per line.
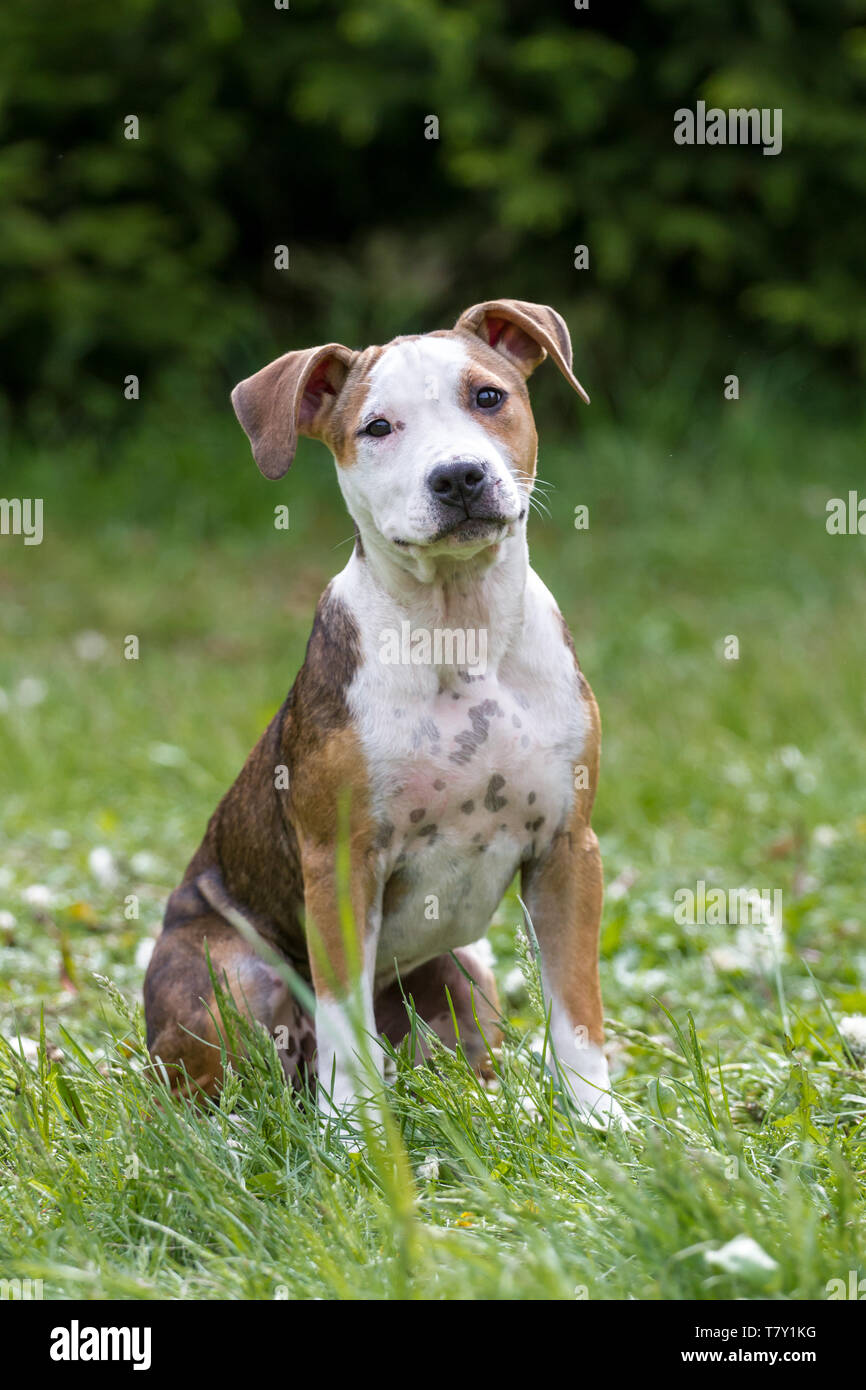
<point x="291" y="396"/>
<point x="524" y="334"/>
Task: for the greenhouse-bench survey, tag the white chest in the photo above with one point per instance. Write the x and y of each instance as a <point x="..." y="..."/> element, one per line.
<point x="471" y="772"/>
<point x="469" y="783"/>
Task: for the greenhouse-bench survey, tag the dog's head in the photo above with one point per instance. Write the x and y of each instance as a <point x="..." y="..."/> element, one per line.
<point x="433" y="435"/>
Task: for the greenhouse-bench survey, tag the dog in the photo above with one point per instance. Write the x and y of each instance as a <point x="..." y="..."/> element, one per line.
<point x="448" y="775"/>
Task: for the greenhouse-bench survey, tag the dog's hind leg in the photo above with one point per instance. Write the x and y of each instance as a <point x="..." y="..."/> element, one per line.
<point x="184" y="1023"/>
<point x="429" y="987"/>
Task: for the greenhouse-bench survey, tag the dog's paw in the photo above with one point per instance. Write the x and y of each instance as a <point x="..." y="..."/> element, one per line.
<point x="351" y="1114"/>
<point x="603" y="1111"/>
<point x="595" y="1103"/>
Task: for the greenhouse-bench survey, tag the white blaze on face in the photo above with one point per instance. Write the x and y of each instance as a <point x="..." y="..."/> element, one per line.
<point x="416" y="387"/>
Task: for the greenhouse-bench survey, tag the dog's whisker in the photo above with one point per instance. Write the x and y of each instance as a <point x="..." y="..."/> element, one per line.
<point x="540" y="508"/>
<point x="537" y="501"/>
<point x="533" y="483"/>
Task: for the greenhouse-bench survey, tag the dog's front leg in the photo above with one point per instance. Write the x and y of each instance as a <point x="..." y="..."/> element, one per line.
<point x="562" y="891"/>
<point x="342" y="951"/>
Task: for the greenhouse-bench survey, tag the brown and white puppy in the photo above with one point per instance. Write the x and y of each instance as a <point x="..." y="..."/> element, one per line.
<point x="440" y="699"/>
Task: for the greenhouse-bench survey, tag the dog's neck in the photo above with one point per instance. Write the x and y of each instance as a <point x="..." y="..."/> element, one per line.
<point x="486" y="590"/>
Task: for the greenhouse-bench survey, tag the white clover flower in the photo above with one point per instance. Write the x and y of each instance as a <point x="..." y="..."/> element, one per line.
<point x="7" y="921"/>
<point x="101" y="863"/>
<point x="428" y="1171"/>
<point x="825" y="835"/>
<point x="651" y="981"/>
<point x="30" y="691"/>
<point x="744" y="1256"/>
<point x="145" y="864"/>
<point x="761" y="945"/>
<point x="166" y="755"/>
<point x="853" y="1030"/>
<point x="738" y="774"/>
<point x="790" y="756"/>
<point x="38" y="895"/>
<point x="727" y="960"/>
<point x="90" y="645"/>
<point x="143" y="952"/>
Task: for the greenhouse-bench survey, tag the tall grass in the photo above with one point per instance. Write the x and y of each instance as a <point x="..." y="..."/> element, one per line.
<point x="743" y="1080"/>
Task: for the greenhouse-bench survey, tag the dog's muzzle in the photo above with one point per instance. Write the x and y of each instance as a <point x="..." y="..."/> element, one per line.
<point x="465" y="500"/>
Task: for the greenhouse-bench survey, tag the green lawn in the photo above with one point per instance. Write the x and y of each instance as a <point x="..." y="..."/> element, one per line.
<point x="748" y="1106"/>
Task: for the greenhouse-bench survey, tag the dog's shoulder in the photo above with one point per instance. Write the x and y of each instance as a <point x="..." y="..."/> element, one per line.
<point x="317" y="706"/>
<point x="547" y="635"/>
<point x="319" y="742"/>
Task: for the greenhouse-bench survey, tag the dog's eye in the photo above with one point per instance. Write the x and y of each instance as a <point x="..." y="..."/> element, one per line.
<point x="488" y="397"/>
<point x="378" y="428"/>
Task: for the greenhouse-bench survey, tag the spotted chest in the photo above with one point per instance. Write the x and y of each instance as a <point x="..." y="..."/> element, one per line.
<point x="468" y="784"/>
<point x="469" y="769"/>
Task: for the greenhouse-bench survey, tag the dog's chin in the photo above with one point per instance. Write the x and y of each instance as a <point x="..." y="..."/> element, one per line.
<point x="470" y="531"/>
<point x="463" y="538"/>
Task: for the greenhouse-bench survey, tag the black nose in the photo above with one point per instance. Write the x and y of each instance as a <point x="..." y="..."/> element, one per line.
<point x="458" y="484"/>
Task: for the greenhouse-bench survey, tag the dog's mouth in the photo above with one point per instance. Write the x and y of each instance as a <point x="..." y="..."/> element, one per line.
<point x="466" y="531"/>
<point x="469" y="528"/>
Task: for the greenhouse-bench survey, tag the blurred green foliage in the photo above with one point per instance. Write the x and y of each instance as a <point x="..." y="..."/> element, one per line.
<point x="305" y="127"/>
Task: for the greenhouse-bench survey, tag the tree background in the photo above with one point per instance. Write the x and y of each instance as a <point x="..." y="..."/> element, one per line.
<point x="306" y="127"/>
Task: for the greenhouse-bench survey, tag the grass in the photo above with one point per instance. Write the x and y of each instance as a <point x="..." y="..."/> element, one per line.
<point x="747" y="1103"/>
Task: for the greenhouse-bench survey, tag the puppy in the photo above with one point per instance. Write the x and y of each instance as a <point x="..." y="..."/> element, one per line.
<point x="440" y="717"/>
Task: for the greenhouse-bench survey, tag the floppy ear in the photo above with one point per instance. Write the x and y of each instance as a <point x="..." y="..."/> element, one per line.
<point x="524" y="334"/>
<point x="291" y="396"/>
